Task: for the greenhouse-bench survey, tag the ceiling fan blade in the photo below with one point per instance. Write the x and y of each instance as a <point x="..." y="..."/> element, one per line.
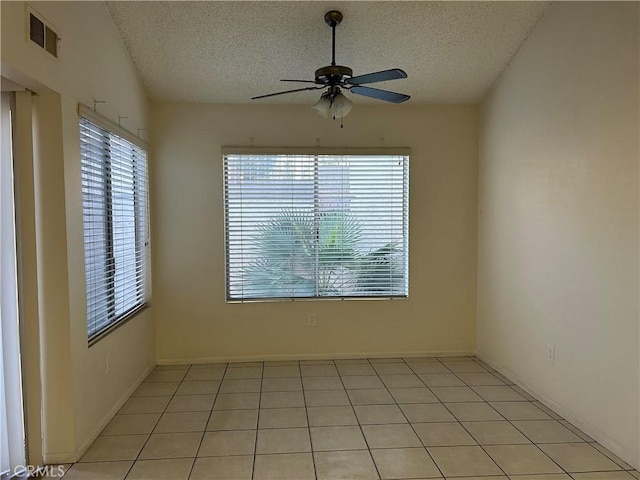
<point x="287" y="91"/>
<point x="392" y="74"/>
<point x="301" y="81"/>
<point x="385" y="95"/>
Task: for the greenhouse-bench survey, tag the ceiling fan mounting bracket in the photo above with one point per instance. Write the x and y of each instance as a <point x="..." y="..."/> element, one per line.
<point x="333" y="75"/>
<point x="333" y="18"/>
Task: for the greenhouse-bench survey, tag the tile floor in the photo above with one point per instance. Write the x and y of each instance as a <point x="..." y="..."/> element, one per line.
<point x="412" y="418"/>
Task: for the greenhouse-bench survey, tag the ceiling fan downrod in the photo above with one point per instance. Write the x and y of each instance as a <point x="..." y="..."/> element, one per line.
<point x="333" y="74"/>
<point x="333" y="19"/>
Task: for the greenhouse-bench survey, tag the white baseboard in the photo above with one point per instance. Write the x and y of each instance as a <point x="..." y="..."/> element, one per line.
<point x="70" y="457"/>
<point x="632" y="458"/>
<point x="58" y="458"/>
<point x="311" y="356"/>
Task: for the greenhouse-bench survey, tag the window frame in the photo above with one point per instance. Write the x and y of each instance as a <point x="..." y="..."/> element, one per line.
<point x="117" y="320"/>
<point x="314" y="151"/>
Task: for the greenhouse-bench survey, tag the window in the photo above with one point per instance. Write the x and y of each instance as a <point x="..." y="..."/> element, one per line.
<point x="114" y="209"/>
<point x="316" y="225"/>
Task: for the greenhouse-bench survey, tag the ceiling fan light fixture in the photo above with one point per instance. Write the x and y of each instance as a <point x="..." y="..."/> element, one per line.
<point x="323" y="106"/>
<point x="341" y="106"/>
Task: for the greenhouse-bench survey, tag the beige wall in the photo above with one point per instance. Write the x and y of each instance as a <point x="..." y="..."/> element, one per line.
<point x="79" y="395"/>
<point x="558" y="219"/>
<point x="92" y="63"/>
<point x="193" y="323"/>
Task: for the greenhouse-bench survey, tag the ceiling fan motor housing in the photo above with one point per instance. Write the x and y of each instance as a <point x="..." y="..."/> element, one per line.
<point x="333" y="75"/>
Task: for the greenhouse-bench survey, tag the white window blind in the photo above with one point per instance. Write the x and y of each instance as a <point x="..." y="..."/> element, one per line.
<point x="316" y="226"/>
<point x="115" y="214"/>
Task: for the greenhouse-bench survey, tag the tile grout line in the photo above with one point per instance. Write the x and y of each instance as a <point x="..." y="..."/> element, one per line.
<point x="193" y="464"/>
<point x="255" y="445"/>
<point x="375" y="465"/>
<point x="306" y="410"/>
<point x="156" y="425"/>
<point x="468" y="432"/>
<point x="411" y="425"/>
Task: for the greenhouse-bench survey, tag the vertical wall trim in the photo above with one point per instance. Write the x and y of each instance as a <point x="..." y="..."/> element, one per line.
<point x="28" y="277"/>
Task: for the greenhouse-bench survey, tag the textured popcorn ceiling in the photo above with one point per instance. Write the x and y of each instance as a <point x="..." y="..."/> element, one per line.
<point x="227" y="52"/>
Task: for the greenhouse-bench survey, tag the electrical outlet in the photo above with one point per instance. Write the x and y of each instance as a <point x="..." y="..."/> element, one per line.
<point x="312" y="320"/>
<point x="107" y="363"/>
<point x="551" y="353"/>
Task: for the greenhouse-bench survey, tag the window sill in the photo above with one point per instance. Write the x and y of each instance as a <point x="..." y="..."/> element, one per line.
<point x="114" y="326"/>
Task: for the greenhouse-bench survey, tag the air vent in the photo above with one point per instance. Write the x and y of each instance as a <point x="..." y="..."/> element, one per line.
<point x="42" y="34"/>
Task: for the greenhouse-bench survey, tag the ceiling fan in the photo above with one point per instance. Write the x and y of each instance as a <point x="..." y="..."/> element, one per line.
<point x="336" y="78"/>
